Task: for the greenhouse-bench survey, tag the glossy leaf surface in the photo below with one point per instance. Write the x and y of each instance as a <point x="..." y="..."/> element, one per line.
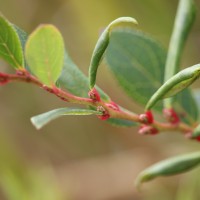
<point x="45" y="53"/>
<point x="171" y="166"/>
<point x="10" y="46"/>
<point x="175" y="84"/>
<point x="41" y="120"/>
<point x="102" y="44"/>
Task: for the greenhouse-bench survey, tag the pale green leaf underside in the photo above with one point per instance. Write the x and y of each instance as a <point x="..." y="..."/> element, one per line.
<point x="171" y="166"/>
<point x="102" y="44"/>
<point x="137" y="62"/>
<point x="45" y="53"/>
<point x="175" y="84"/>
<point x="10" y="46"/>
<point x="41" y="120"/>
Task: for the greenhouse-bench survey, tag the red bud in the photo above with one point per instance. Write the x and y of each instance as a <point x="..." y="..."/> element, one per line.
<point x="148" y="130"/>
<point x="171" y="115"/>
<point x="94" y="95"/>
<point x="146" y="118"/>
<point x="105" y="115"/>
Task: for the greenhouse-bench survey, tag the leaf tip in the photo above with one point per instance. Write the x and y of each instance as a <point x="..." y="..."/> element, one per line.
<point x="35" y="123"/>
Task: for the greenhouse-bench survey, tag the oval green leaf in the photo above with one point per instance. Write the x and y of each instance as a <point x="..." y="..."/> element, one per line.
<point x="168" y="167"/>
<point x="102" y="44"/>
<point x="175" y="84"/>
<point x="41" y="120"/>
<point x="45" y="53"/>
<point x="137" y="62"/>
<point x="10" y="46"/>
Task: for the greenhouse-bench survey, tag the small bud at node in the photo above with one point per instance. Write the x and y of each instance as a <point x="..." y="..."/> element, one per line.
<point x="113" y="106"/>
<point x="171" y="115"/>
<point x="94" y="95"/>
<point x="105" y="115"/>
<point x="148" y="130"/>
<point x="146" y="118"/>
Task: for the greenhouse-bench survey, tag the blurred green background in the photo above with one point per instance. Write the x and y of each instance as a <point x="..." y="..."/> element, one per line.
<point x="83" y="158"/>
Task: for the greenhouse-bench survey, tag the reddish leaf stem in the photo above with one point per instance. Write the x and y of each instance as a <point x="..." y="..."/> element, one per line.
<point x="113" y="111"/>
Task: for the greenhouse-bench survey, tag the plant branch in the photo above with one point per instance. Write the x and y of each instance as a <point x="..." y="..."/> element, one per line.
<point x="111" y="110"/>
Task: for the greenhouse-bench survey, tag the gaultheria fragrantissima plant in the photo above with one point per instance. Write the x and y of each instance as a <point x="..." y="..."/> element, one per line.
<point x="148" y="74"/>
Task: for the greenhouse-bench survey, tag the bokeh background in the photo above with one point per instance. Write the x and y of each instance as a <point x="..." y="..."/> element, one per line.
<point x="83" y="158"/>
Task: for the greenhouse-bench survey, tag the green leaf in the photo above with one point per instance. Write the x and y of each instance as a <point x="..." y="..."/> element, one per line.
<point x="74" y="81"/>
<point x="102" y="44"/>
<point x="183" y="23"/>
<point x="168" y="167"/>
<point x="196" y="94"/>
<point x="184" y="19"/>
<point x="175" y="84"/>
<point x="23" y="36"/>
<point x="196" y="132"/>
<point x="120" y="122"/>
<point x="10" y="46"/>
<point x="40" y="120"/>
<point x="45" y="53"/>
<point x="137" y="62"/>
<point x="184" y="103"/>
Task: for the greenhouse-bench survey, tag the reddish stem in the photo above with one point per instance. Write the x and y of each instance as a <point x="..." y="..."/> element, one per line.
<point x="111" y="110"/>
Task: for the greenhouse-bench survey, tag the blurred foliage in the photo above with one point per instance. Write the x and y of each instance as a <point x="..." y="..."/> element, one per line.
<point x="27" y="155"/>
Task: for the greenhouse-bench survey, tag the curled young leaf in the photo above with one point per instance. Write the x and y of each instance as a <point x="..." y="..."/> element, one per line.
<point x="102" y="44"/>
<point x="41" y="120"/>
<point x="168" y="167"/>
<point x="175" y="84"/>
<point x="10" y="46"/>
<point x="45" y="53"/>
